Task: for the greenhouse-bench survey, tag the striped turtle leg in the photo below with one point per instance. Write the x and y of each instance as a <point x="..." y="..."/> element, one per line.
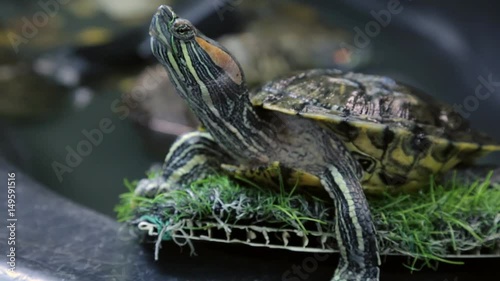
<point x="359" y="259"/>
<point x="192" y="157"/>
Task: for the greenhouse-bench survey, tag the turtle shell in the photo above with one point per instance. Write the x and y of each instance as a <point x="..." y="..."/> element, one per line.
<point x="399" y="135"/>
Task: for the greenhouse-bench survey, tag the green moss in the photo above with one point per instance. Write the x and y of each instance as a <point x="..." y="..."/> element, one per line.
<point x="428" y="226"/>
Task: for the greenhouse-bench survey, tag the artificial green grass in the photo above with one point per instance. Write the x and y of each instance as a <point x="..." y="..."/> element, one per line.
<point x="430" y="226"/>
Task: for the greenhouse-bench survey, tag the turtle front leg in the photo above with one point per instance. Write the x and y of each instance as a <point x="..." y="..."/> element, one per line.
<point x="191" y="157"/>
<point x="355" y="232"/>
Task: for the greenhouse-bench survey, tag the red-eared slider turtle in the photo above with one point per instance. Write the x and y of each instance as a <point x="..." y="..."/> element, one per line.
<point x="265" y="49"/>
<point x="349" y="131"/>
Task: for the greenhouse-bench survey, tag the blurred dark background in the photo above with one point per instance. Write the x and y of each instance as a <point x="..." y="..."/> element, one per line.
<point x="79" y="67"/>
<point x="67" y="68"/>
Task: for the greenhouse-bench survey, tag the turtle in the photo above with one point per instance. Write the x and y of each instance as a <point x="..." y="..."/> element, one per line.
<point x="264" y="49"/>
<point x="348" y="133"/>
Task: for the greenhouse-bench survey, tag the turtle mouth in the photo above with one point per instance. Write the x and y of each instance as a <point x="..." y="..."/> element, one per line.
<point x="159" y="30"/>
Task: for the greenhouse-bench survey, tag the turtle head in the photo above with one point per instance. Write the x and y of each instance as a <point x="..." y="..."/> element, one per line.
<point x="200" y="68"/>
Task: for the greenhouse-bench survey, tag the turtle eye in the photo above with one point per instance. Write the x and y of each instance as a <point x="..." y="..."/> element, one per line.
<point x="183" y="29"/>
<point x="366" y="162"/>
